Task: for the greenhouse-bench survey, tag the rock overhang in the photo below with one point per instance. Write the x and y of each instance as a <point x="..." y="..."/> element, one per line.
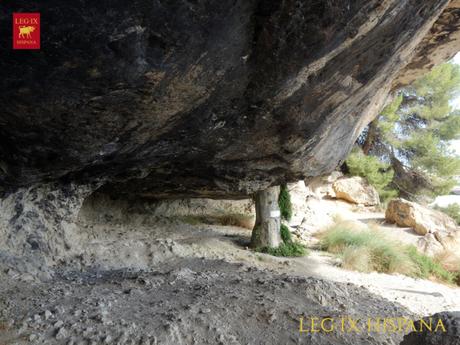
<point x="214" y="99"/>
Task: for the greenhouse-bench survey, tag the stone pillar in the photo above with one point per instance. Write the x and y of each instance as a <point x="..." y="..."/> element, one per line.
<point x="266" y="232"/>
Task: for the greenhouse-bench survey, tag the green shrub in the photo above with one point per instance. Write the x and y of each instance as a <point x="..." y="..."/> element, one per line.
<point x="368" y="250"/>
<point x="288" y="248"/>
<point x="284" y="203"/>
<point x="285" y="234"/>
<point x="429" y="267"/>
<point x="452" y="210"/>
<point x="291" y="249"/>
<point x="378" y="174"/>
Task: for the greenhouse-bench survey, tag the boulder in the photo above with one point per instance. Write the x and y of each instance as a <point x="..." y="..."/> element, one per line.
<point x="422" y="219"/>
<point x="429" y="245"/>
<point x="449" y="239"/>
<point x="321" y="186"/>
<point x="300" y="195"/>
<point x="356" y="190"/>
<point x="309" y="214"/>
<point x="314" y="209"/>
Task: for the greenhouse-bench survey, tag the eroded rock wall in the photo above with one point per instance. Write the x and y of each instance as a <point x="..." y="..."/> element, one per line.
<point x="100" y="208"/>
<point x="37" y="226"/>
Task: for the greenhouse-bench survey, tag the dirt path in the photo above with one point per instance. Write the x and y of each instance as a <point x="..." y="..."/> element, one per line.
<point x="422" y="297"/>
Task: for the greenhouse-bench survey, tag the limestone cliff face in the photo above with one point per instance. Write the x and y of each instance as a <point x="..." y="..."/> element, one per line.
<point x="200" y="98"/>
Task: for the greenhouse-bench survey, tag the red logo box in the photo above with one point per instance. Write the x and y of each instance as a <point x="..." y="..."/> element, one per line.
<point x="26" y="30"/>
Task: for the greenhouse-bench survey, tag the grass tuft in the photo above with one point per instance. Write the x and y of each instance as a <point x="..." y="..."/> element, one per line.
<point x="428" y="266"/>
<point x="354" y="257"/>
<point x="367" y="250"/>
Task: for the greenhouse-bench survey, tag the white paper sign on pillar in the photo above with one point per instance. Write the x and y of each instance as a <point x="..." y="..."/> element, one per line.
<point x="275" y="214"/>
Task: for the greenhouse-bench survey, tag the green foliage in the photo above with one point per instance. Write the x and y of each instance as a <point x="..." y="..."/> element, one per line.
<point x="378" y="174"/>
<point x="285" y="234"/>
<point x="291" y="249"/>
<point x="440" y="85"/>
<point x="452" y="210"/>
<point x="284" y="203"/>
<point x="413" y="133"/>
<point x="429" y="267"/>
<point x="288" y="248"/>
<point x="368" y="250"/>
<point x="387" y="122"/>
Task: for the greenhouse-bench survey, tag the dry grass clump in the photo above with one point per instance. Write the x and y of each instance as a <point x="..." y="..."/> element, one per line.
<point x="365" y="249"/>
<point x="451" y="262"/>
<point x="356" y="258"/>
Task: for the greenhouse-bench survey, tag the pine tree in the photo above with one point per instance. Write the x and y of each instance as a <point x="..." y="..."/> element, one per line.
<point x="412" y="134"/>
<point x="377" y="173"/>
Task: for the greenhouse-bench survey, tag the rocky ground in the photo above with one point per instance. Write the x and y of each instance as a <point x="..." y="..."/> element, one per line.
<point x="168" y="282"/>
<point x="184" y="301"/>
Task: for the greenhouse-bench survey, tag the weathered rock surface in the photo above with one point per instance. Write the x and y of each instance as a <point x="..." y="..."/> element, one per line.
<point x="100" y="207"/>
<point x="321" y="186"/>
<point x="186" y="99"/>
<point x="40" y="227"/>
<point x="316" y="208"/>
<point x="186" y="301"/>
<point x="37" y="226"/>
<point x="309" y="211"/>
<point x="423" y="220"/>
<point x="450" y="240"/>
<point x="438" y="46"/>
<point x="356" y="190"/>
<point x="429" y="245"/>
<point x="202" y="98"/>
<point x="451" y="336"/>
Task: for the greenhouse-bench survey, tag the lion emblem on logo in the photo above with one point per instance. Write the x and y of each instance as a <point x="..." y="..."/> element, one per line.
<point x="25" y="31"/>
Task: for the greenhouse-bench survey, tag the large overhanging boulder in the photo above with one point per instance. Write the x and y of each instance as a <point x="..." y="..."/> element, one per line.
<point x="203" y="98"/>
